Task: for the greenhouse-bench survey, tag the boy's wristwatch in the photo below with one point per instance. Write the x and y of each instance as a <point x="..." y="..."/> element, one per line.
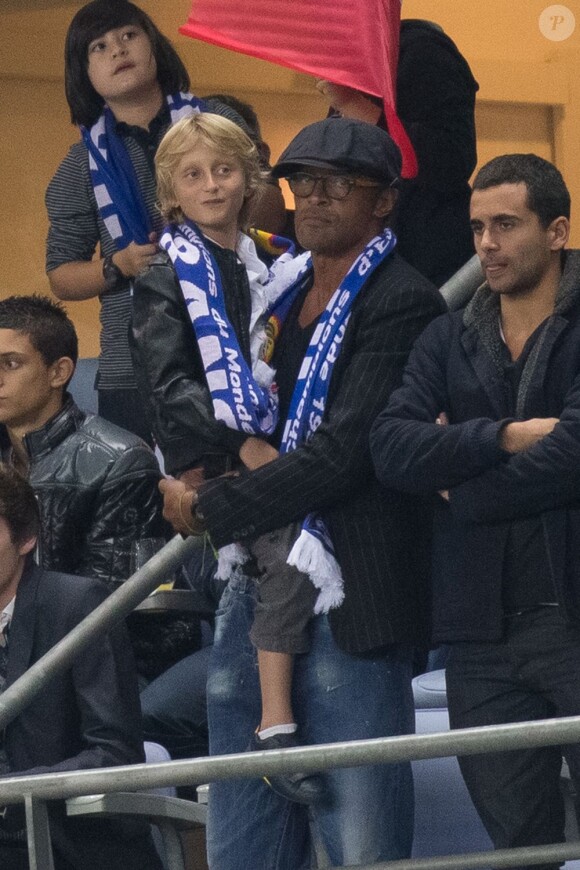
<point x="111" y="273"/>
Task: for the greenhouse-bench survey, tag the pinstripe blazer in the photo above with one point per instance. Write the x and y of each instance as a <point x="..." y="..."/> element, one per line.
<point x="380" y="536"/>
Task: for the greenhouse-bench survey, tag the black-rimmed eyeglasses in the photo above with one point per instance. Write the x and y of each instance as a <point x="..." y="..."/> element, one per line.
<point x="302" y="184"/>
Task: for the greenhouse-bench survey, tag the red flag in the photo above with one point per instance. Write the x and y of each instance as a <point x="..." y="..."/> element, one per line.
<point x="349" y="42"/>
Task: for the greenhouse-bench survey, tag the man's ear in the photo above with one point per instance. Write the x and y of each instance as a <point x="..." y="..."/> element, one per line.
<point x="27" y="546"/>
<point x="385" y="203"/>
<point x="558" y="233"/>
<point x="61" y="371"/>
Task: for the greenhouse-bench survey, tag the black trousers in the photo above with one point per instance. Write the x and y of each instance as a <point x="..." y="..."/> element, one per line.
<point x="532" y="673"/>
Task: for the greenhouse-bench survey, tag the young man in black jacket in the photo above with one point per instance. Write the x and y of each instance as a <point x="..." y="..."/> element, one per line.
<point x="503" y="377"/>
<point x="96" y="484"/>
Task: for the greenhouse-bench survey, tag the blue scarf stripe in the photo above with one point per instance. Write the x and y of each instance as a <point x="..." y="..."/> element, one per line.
<point x="237" y="399"/>
<point x="182" y="105"/>
<point x="118" y="193"/>
<point x="309" y="397"/>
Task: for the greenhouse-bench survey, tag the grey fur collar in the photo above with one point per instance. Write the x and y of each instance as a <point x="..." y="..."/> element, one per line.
<point x="485" y="304"/>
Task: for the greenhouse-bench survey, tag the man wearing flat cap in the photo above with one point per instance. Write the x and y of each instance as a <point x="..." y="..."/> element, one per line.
<point x="339" y="351"/>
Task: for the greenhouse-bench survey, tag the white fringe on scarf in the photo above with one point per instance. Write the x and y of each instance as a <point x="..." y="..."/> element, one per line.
<point x="308" y="556"/>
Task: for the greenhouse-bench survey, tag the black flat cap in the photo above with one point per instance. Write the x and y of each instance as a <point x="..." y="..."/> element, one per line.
<point x="345" y="145"/>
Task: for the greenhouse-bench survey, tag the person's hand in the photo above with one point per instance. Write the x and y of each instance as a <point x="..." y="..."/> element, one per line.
<point x="349" y="102"/>
<point x="521" y="435"/>
<point x="178" y="499"/>
<point x="134" y="258"/>
<point x="193" y="477"/>
<point x="256" y="452"/>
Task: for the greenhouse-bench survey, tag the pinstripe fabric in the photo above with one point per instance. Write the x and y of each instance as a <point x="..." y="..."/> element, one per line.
<point x="377" y="534"/>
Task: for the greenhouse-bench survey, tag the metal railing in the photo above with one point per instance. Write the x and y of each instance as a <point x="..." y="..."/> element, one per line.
<point x="36" y="790"/>
<point x="459" y="289"/>
<point x="412" y="747"/>
<point x="116" y="607"/>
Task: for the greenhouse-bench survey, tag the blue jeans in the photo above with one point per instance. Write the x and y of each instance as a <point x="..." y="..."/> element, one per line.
<point x="337" y="697"/>
<point x="174" y="704"/>
<point x="174" y="707"/>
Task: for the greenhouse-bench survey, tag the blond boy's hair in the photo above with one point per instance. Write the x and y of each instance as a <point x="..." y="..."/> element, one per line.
<point x="216" y="132"/>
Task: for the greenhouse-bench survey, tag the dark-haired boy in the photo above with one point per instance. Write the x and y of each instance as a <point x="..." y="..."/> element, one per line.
<point x="125" y="84"/>
<point x="505" y="376"/>
<point x="95" y="483"/>
<point x="87" y="717"/>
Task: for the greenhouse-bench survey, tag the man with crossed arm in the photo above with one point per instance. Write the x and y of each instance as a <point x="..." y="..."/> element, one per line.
<point x="504" y="376"/>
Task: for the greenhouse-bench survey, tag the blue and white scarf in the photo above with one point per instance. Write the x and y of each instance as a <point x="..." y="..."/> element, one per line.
<point x="313" y="553"/>
<point x="117" y="191"/>
<point x="244" y="398"/>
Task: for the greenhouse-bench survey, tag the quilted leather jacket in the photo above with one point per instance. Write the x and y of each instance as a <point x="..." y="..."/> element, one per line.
<point x="96" y="486"/>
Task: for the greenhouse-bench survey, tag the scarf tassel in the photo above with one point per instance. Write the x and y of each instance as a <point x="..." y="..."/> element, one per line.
<point x="230" y="557"/>
<point x="310" y="557"/>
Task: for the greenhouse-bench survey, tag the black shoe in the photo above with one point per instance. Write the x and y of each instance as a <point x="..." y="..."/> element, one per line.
<point x="302" y="788"/>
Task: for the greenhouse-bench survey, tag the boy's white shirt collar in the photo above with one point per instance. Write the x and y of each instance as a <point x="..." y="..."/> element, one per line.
<point x="266" y="285"/>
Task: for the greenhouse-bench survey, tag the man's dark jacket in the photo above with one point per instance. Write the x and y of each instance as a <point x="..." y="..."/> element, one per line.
<point x="96" y="487"/>
<point x="378" y="535"/>
<point x="456" y="367"/>
<point x="87" y="717"/>
<point x="436" y="103"/>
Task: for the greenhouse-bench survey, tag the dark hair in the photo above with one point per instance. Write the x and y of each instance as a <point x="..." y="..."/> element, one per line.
<point x="247" y="112"/>
<point x="91" y="22"/>
<point x="45" y="322"/>
<point x="18" y="505"/>
<point x="548" y="196"/>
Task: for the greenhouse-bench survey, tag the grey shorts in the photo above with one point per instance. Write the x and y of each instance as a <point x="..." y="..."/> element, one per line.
<point x="286" y="597"/>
